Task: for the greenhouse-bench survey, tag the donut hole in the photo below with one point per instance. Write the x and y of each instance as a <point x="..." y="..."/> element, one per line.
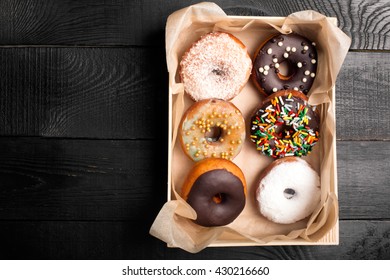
<point x="286" y="70"/>
<point x="218" y="72"/>
<point x="219" y="197"/>
<point x="289" y="193"/>
<point x="284" y="131"/>
<point x="214" y="134"/>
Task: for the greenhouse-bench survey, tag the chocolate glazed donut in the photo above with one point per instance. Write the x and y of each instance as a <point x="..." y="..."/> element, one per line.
<point x="296" y="53"/>
<point x="218" y="198"/>
<point x="216" y="189"/>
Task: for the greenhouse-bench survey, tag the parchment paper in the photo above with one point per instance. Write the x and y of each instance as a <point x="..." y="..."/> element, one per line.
<point x="174" y="222"/>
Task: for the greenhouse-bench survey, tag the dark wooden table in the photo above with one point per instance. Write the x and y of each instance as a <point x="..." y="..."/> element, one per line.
<point x="83" y="129"/>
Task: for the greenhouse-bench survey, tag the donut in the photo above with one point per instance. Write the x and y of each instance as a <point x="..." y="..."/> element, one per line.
<point x="285" y="125"/>
<point x="216" y="189"/>
<point x="288" y="190"/>
<point x="216" y="66"/>
<point x="293" y="53"/>
<point x="212" y="128"/>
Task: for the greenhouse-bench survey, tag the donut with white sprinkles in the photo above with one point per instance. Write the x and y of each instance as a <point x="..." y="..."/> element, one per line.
<point x="285" y="62"/>
<point x="285" y="125"/>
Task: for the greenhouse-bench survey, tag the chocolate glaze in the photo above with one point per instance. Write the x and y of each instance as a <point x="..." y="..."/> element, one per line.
<point x="217" y="183"/>
<point x="302" y="63"/>
<point x="281" y="129"/>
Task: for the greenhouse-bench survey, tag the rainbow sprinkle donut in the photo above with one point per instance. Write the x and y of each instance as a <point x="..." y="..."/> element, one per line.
<point x="285" y="125"/>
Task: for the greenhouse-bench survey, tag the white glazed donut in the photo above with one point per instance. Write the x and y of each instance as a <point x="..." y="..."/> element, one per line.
<point x="288" y="190"/>
<point x="216" y="66"/>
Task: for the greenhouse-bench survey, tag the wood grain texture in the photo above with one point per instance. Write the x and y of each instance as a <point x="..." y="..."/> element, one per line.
<point x="362" y="97"/>
<point x="121" y="93"/>
<point x="82" y="92"/>
<point x="138" y="22"/>
<point x="116" y="240"/>
<point x="65" y="179"/>
<point x="363" y="179"/>
<point x="80" y="179"/>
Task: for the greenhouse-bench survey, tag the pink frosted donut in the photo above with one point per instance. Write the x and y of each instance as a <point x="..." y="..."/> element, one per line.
<point x="216" y="66"/>
<point x="288" y="190"/>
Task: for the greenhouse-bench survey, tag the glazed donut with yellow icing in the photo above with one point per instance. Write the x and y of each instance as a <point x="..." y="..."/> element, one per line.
<point x="212" y="128"/>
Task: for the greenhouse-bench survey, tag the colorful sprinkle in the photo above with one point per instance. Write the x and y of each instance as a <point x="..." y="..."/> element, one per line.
<point x="283" y="128"/>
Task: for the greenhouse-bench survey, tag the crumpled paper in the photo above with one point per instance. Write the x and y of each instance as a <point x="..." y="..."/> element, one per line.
<point x="174" y="223"/>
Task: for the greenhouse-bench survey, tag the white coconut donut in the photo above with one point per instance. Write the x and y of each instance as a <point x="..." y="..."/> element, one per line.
<point x="288" y="190"/>
<point x="216" y="66"/>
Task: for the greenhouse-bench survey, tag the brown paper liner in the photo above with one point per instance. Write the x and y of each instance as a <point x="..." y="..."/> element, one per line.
<point x="174" y="222"/>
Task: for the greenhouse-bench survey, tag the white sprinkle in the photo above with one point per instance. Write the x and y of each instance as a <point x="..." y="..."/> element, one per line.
<point x="305" y="48"/>
<point x="270" y="128"/>
<point x="313" y="43"/>
<point x="265" y="73"/>
<point x="314" y="108"/>
<point x="293" y="49"/>
<point x="307" y="72"/>
<point x="264" y="115"/>
<point x="313" y="61"/>
<point x="277" y="65"/>
<point x="281" y="100"/>
<point x="304" y="80"/>
<point x="289" y="100"/>
<point x="266" y="67"/>
<point x="295" y="88"/>
<point x="261" y="69"/>
<point x="275" y="60"/>
<point x="299" y="64"/>
<point x="274" y="89"/>
<point x="267" y="120"/>
<point x="285" y="55"/>
<point x="269" y="51"/>
<point x="312" y="75"/>
<point x="288" y="49"/>
<point x="280" y="44"/>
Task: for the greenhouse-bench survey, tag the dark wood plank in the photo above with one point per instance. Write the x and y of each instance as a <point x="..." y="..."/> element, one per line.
<point x="49" y="179"/>
<point x="122" y="93"/>
<point x="362" y="97"/>
<point x="364" y="180"/>
<point x="54" y="179"/>
<point x="82" y="92"/>
<point x="142" y="22"/>
<point x="130" y="240"/>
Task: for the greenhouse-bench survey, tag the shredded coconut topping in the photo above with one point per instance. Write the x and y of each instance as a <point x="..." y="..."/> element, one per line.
<point x="216" y="66"/>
